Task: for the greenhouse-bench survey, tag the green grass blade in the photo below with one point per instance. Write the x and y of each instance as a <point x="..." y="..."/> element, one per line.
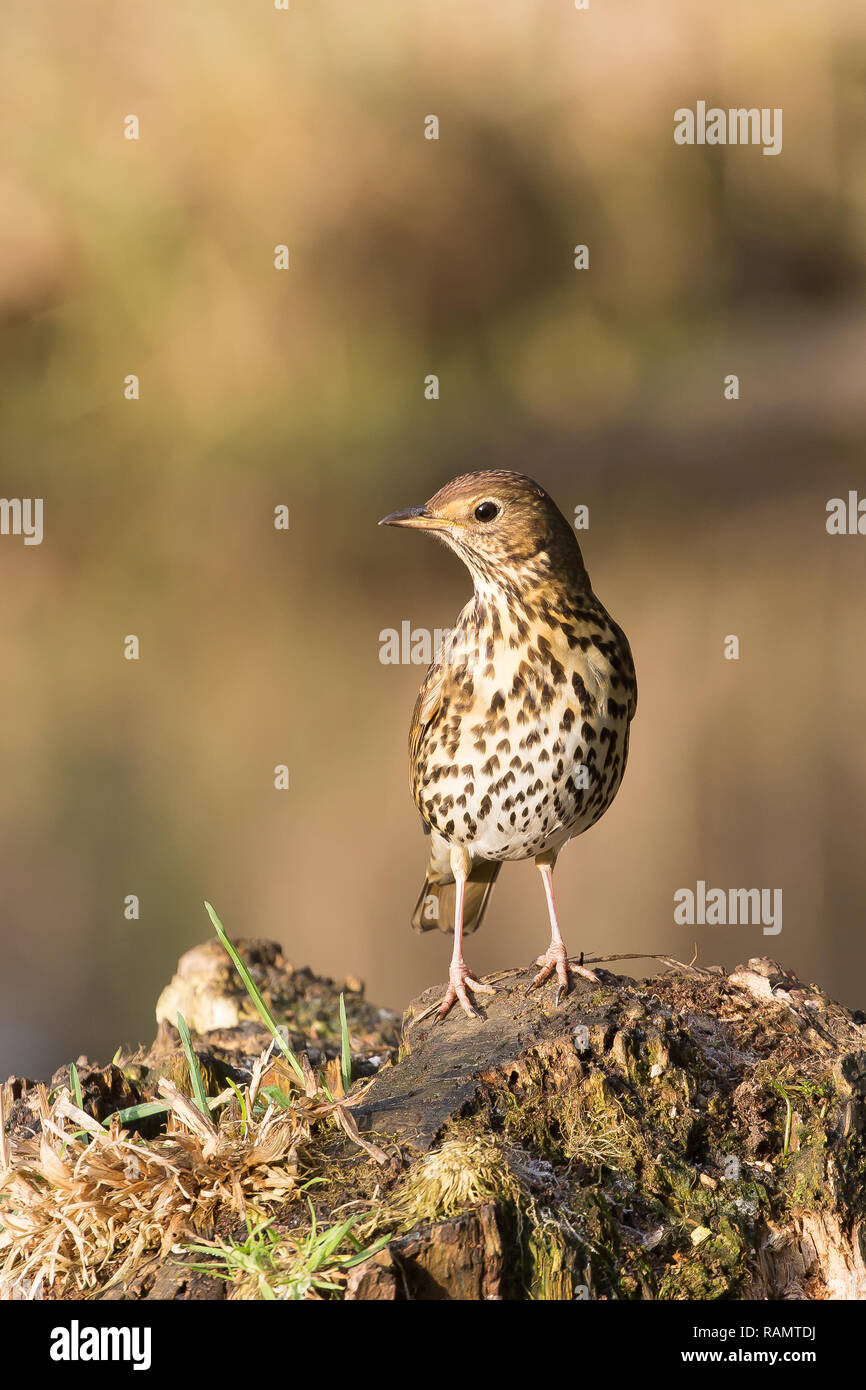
<point x="329" y="1241"/>
<point x="138" y="1112"/>
<point x="148" y="1108"/>
<point x="278" y="1096"/>
<point x="345" y="1047"/>
<point x="351" y="1260"/>
<point x="75" y="1086"/>
<point x="242" y="1105"/>
<point x="199" y="1093"/>
<point x="252" y="990"/>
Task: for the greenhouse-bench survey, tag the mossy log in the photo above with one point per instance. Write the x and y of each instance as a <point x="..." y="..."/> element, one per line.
<point x="695" y="1135"/>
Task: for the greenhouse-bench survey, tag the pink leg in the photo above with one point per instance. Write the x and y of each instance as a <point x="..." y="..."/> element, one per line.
<point x="459" y="977"/>
<point x="555" y="957"/>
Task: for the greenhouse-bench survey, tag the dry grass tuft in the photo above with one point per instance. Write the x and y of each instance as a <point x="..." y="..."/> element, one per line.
<point x="460" y="1175"/>
<point x="593" y="1134"/>
<point x="79" y="1198"/>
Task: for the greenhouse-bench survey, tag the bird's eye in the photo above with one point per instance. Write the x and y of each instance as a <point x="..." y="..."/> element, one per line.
<point x="486" y="511"/>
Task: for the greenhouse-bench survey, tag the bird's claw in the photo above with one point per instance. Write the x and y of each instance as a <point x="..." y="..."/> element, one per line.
<point x="555" y="959"/>
<point x="585" y="973"/>
<point x="457" y="992"/>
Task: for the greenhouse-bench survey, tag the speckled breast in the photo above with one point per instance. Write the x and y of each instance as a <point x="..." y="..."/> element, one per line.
<point x="526" y="747"/>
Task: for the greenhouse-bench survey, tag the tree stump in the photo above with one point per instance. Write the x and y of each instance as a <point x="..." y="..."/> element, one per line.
<point x="695" y="1135"/>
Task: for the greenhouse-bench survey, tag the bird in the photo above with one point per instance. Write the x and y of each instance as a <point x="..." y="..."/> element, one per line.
<point x="520" y="733"/>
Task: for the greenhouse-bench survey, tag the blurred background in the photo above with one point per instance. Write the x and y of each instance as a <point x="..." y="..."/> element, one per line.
<point x="306" y="388"/>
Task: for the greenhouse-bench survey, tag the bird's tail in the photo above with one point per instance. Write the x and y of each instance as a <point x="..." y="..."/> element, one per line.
<point x="435" y="906"/>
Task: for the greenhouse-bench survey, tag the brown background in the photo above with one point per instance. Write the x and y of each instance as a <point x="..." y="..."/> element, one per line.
<point x="306" y="388"/>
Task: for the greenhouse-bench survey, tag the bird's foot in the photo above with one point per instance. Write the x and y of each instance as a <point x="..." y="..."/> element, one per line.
<point x="460" y="983"/>
<point x="556" y="959"/>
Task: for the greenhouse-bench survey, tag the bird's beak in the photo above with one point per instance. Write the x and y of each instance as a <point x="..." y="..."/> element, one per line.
<point x="419" y="517"/>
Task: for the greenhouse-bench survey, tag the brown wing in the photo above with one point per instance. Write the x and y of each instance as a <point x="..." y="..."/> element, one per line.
<point x="432" y="694"/>
<point x="427" y="707"/>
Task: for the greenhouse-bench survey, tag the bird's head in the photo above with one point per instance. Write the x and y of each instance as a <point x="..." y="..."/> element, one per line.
<point x="503" y="526"/>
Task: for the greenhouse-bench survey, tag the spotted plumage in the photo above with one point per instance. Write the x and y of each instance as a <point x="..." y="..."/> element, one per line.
<point x="520" y="733"/>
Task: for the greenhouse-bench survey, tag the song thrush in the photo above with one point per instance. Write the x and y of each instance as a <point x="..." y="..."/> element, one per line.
<point x="520" y="732"/>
